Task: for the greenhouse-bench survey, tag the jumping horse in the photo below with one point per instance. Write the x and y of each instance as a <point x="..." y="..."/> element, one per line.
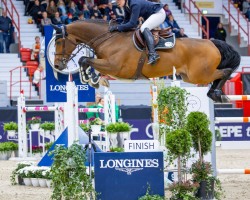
<point x="197" y="61"/>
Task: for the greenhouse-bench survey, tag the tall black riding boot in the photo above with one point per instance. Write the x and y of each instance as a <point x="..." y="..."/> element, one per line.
<point x="152" y="55"/>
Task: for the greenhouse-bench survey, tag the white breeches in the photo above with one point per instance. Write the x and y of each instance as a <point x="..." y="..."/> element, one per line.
<point x="154" y="20"/>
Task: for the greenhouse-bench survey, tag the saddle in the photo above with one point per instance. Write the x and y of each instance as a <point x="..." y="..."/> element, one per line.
<point x="163" y="39"/>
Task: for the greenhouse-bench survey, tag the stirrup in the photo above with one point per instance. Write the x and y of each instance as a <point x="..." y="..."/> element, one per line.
<point x="152" y="58"/>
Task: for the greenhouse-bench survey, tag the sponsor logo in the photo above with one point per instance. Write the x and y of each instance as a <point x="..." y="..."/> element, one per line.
<point x="129" y="165"/>
<point x="62" y="88"/>
<point x="169" y="44"/>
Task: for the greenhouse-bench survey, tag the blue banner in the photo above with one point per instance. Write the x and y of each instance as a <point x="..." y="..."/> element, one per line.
<point x="234" y="131"/>
<point x="56" y="89"/>
<point x="127" y="176"/>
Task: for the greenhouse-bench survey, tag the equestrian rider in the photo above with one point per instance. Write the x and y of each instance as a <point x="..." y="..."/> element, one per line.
<point x="152" y="13"/>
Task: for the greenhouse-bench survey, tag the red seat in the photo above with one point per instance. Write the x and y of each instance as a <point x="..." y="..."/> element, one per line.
<point x="31" y="70"/>
<point x="32" y="63"/>
<point x="25" y="54"/>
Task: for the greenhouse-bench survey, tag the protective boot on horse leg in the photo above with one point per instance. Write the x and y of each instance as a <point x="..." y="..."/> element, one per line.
<point x="149" y="38"/>
<point x="87" y="73"/>
<point x="215" y="91"/>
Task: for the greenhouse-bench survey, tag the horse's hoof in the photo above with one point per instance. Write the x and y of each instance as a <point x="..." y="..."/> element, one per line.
<point x="96" y="86"/>
<point x="104" y="82"/>
<point x="215" y="95"/>
<point x="225" y="99"/>
<point x="95" y="78"/>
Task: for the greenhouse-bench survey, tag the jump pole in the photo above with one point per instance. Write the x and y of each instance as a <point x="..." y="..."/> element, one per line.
<point x="233" y="171"/>
<point x="22" y="109"/>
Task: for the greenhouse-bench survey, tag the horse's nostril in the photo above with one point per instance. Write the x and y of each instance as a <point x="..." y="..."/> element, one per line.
<point x="56" y="66"/>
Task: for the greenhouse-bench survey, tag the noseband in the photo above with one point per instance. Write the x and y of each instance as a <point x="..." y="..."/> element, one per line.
<point x="64" y="35"/>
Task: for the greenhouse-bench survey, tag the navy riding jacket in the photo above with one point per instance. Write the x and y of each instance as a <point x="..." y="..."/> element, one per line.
<point x="135" y="9"/>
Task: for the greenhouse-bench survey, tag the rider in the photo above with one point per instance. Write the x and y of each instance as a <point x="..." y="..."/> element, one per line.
<point x="153" y="14"/>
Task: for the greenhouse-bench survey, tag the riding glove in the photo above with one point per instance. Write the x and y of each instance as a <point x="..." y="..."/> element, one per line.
<point x="113" y="28"/>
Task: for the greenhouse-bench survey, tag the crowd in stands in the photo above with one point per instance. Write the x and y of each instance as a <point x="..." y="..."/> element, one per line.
<point x="244" y="6"/>
<point x="59" y="12"/>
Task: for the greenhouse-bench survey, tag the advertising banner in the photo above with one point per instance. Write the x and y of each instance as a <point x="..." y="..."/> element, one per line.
<point x="56" y="89"/>
<point x="126" y="175"/>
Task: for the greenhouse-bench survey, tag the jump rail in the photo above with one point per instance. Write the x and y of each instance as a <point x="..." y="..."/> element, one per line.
<point x="233" y="171"/>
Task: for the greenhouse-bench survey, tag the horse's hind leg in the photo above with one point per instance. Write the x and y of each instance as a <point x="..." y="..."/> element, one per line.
<point x="215" y="92"/>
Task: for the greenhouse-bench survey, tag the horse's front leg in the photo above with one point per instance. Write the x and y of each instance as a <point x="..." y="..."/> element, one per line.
<point x="84" y="69"/>
<point x="86" y="73"/>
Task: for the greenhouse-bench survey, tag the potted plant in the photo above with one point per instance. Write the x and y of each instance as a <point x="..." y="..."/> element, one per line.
<point x="116" y="149"/>
<point x="15" y="172"/>
<point x="48" y="127"/>
<point x="183" y="190"/>
<point x="96" y="124"/>
<point x="179" y="143"/>
<point x="6" y="149"/>
<point x="69" y="173"/>
<point x="112" y="134"/>
<point x="198" y="126"/>
<point x="123" y="129"/>
<point x="11" y="128"/>
<point x="34" y="122"/>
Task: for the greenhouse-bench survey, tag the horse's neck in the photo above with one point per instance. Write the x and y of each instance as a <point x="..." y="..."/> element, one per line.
<point x="87" y="32"/>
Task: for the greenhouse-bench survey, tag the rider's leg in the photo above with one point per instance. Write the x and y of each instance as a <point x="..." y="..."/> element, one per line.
<point x="152" y="22"/>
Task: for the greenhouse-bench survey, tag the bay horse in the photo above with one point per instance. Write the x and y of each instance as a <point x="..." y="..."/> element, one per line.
<point x="197" y="61"/>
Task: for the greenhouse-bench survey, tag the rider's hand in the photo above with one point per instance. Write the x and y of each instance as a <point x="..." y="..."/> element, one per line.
<point x="113" y="28"/>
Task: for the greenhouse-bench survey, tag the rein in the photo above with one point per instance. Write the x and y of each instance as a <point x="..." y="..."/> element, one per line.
<point x="92" y="42"/>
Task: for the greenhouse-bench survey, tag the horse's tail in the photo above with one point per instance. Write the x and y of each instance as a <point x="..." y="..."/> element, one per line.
<point x="229" y="57"/>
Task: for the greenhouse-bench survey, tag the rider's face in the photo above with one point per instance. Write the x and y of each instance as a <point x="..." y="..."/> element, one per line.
<point x="120" y="3"/>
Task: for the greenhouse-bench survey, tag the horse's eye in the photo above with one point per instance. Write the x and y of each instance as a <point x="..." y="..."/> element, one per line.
<point x="58" y="43"/>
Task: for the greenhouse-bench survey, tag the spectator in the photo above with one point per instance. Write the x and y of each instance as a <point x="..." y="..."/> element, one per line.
<point x="79" y="4"/>
<point x="51" y="9"/>
<point x="119" y="13"/>
<point x="62" y="10"/>
<point x="171" y="22"/>
<point x="80" y="16"/>
<point x="246" y="8"/>
<point x="38" y="75"/>
<point x="28" y="5"/>
<point x="102" y="4"/>
<point x="69" y="20"/>
<point x="168" y="12"/>
<point x="86" y="12"/>
<point x="96" y="14"/>
<point x="5" y="30"/>
<point x="220" y="33"/>
<point x="73" y="9"/>
<point x="90" y="4"/>
<point x="98" y="98"/>
<point x="36" y="12"/>
<point x="57" y="20"/>
<point x="44" y="4"/>
<point x="181" y="34"/>
<point x="110" y="12"/>
<point x="45" y="21"/>
<point x="36" y="49"/>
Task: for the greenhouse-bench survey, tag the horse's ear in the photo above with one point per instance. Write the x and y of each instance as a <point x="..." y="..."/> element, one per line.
<point x="58" y="29"/>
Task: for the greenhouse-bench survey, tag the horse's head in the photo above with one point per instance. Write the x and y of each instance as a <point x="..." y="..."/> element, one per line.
<point x="64" y="46"/>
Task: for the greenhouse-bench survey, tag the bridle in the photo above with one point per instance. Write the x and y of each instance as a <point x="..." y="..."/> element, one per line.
<point x="96" y="41"/>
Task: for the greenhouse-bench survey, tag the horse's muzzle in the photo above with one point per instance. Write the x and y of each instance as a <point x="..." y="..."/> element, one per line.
<point x="60" y="65"/>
